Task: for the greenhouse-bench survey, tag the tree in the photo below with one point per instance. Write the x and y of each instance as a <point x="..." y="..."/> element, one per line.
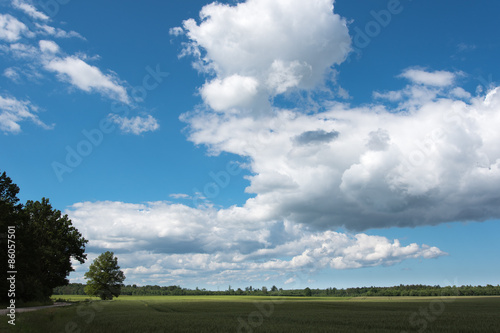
<point x="308" y="291"/>
<point x="105" y="279"/>
<point x="9" y="211"/>
<point x="53" y="241"/>
<point x="45" y="242"/>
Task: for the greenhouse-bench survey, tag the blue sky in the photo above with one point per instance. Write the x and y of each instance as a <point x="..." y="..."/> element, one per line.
<point x="261" y="142"/>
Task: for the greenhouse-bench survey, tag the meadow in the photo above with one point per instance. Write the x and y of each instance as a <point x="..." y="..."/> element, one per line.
<point x="161" y="314"/>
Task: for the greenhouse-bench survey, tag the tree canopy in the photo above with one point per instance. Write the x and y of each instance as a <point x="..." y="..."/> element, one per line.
<point x="9" y="211"/>
<point x="105" y="279"/>
<point x="45" y="242"/>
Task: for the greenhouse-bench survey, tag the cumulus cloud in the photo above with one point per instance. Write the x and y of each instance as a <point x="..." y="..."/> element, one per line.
<point x="233" y="92"/>
<point x="48" y="46"/>
<point x="13" y="111"/>
<point x="264" y="48"/>
<point x="136" y="125"/>
<point x="11" y="29"/>
<point x="171" y="241"/>
<point x="436" y="161"/>
<point x="430" y="157"/>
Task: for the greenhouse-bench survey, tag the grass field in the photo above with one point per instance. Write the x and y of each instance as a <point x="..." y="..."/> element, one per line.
<point x="264" y="314"/>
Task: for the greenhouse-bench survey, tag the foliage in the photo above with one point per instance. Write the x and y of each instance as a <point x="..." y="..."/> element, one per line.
<point x="105" y="278"/>
<point x="401" y="290"/>
<point x="45" y="242"/>
<point x="9" y="211"/>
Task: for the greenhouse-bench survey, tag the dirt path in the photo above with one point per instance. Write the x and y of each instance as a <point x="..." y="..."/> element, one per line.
<point x="34" y="308"/>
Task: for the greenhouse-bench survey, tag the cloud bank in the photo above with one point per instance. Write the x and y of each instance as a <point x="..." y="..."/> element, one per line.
<point x="427" y="163"/>
<point x="173" y="243"/>
<point x="423" y="155"/>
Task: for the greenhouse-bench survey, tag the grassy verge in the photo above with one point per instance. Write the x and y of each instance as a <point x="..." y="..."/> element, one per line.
<point x="265" y="314"/>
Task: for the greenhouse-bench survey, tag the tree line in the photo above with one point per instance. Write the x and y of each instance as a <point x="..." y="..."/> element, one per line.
<point x="401" y="290"/>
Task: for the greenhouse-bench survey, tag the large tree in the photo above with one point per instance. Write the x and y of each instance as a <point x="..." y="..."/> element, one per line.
<point x="9" y="213"/>
<point x="54" y="241"/>
<point x="46" y="241"/>
<point x="105" y="279"/>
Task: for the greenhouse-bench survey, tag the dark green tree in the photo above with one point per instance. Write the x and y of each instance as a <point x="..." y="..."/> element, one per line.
<point x="104" y="278"/>
<point x="307" y="292"/>
<point x="45" y="243"/>
<point x="9" y="213"/>
<point x="54" y="241"/>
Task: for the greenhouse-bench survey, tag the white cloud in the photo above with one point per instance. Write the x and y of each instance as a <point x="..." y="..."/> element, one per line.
<point x="180" y="196"/>
<point x="431" y="160"/>
<point x="45" y="29"/>
<point x="367" y="167"/>
<point x="17" y="74"/>
<point x="12" y="74"/>
<point x="176" y="31"/>
<point x="48" y="55"/>
<point x="11" y="29"/>
<point x="233" y="92"/>
<point x="393" y="96"/>
<point x="162" y="241"/>
<point x="267" y="47"/>
<point x="87" y="77"/>
<point x="48" y="46"/>
<point x="22" y="51"/>
<point x="13" y="111"/>
<point x="30" y="10"/>
<point x="460" y="93"/>
<point x="437" y="78"/>
<point x="136" y="125"/>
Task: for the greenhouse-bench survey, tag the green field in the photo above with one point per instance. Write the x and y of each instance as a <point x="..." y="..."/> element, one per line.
<point x="264" y="314"/>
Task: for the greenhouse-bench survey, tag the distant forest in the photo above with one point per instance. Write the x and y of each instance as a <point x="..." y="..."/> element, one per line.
<point x="401" y="290"/>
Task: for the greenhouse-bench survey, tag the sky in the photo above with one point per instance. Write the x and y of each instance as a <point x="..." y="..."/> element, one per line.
<point x="261" y="142"/>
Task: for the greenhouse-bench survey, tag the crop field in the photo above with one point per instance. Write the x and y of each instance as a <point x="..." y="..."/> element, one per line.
<point x="163" y="314"/>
